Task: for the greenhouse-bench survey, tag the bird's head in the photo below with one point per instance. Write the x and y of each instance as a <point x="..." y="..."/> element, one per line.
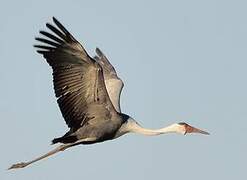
<point x="185" y="128"/>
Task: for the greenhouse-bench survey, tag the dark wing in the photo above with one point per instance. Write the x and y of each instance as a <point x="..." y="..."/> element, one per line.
<point x="114" y="84"/>
<point x="78" y="79"/>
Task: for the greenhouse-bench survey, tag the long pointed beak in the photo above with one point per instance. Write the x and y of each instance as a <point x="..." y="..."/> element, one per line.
<point x="191" y="129"/>
<point x="195" y="130"/>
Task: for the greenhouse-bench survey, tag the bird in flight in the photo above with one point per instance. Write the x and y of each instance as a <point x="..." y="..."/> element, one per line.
<point x="88" y="94"/>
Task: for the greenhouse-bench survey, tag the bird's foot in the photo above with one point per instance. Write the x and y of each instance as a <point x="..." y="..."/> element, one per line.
<point x="18" y="165"/>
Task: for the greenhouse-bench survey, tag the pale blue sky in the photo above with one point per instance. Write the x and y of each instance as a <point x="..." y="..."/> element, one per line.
<point x="180" y="61"/>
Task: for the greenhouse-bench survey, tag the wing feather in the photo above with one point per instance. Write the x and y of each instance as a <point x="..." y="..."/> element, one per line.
<point x="114" y="84"/>
<point x="54" y="38"/>
<point x="78" y="79"/>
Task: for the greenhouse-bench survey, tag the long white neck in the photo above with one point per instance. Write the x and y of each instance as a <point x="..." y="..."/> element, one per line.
<point x="174" y="128"/>
<point x="131" y="126"/>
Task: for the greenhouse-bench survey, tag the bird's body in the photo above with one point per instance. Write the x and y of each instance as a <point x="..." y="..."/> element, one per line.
<point x="88" y="93"/>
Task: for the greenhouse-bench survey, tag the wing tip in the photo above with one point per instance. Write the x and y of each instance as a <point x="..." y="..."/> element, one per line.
<point x="99" y="52"/>
<point x="54" y="18"/>
<point x="56" y="21"/>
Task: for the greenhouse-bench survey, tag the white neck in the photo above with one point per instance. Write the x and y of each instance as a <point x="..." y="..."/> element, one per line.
<point x="174" y="128"/>
<point x="132" y="126"/>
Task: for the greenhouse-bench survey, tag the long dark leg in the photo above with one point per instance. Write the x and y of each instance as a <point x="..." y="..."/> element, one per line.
<point x="54" y="151"/>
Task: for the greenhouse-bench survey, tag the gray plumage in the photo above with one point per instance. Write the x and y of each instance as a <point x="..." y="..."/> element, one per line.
<point x="113" y="83"/>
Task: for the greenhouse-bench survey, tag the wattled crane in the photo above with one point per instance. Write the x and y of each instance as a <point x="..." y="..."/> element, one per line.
<point x="88" y="94"/>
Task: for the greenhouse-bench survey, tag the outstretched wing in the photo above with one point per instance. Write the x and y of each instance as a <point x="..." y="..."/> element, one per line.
<point x="78" y="79"/>
<point x="114" y="84"/>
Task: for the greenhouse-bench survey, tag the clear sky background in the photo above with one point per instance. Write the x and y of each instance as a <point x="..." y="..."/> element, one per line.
<point x="180" y="61"/>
